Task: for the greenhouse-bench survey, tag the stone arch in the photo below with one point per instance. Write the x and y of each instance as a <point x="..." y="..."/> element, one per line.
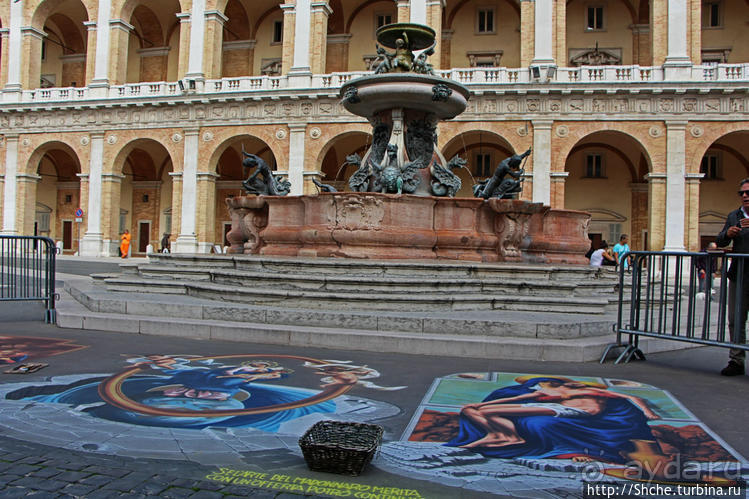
<point x="57" y="191"/>
<point x="634" y="17"/>
<point x="145" y="190"/>
<point x="491" y="146"/>
<point x="120" y="155"/>
<point x="65" y="39"/>
<point x="450" y="17"/>
<point x="331" y="158"/>
<point x="232" y="146"/>
<point x="357" y="10"/>
<point x="703" y="137"/>
<point x="36" y="13"/>
<point x="576" y="135"/>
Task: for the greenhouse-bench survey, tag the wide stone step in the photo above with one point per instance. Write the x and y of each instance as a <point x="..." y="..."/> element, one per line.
<point x="376" y="283"/>
<point x="477" y="342"/>
<point x="494" y="323"/>
<point x="353" y="267"/>
<point x="406" y="301"/>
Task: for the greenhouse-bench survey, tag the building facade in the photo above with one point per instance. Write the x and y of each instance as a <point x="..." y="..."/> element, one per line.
<point x="130" y="114"/>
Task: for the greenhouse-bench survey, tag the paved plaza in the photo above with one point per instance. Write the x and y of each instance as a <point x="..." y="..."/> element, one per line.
<point x="103" y="418"/>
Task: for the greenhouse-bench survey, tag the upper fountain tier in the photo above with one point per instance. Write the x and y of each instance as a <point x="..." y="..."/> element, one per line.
<point x="402" y="80"/>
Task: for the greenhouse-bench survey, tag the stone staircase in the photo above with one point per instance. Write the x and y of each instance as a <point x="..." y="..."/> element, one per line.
<point x="374" y="285"/>
<point x="533" y="312"/>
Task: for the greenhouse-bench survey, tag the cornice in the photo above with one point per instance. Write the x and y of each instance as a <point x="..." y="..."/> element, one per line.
<point x="299" y="109"/>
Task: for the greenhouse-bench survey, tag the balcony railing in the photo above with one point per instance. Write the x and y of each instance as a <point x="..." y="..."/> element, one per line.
<point x="478" y="77"/>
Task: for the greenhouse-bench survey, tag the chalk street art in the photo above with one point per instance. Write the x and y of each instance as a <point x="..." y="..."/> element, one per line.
<point x="513" y="433"/>
<point x="19" y="348"/>
<point x="219" y="391"/>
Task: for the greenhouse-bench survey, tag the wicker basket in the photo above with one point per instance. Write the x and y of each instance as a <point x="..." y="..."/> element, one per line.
<point x="340" y="447"/>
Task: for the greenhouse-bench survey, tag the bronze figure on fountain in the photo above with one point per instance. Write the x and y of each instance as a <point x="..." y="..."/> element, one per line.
<point x="497" y="186"/>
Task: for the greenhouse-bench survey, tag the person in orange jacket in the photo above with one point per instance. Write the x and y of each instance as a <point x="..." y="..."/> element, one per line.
<point x="124" y="243"/>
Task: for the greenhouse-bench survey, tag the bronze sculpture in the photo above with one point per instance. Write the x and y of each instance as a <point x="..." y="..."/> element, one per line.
<point x="497" y="186"/>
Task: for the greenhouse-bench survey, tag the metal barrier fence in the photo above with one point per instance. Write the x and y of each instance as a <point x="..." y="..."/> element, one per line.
<point x="667" y="299"/>
<point x="27" y="271"/>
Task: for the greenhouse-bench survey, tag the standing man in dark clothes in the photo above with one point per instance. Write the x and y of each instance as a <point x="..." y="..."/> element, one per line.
<point x="736" y="230"/>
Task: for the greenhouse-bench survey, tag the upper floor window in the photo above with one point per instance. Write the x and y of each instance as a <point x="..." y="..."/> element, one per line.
<point x="594" y="18"/>
<point x="594" y="166"/>
<point x="710" y="166"/>
<point x="383" y="19"/>
<point x="485" y="20"/>
<point x="277" y="32"/>
<point x="712" y="15"/>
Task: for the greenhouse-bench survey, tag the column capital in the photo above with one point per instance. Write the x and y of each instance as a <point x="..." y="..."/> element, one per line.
<point x="191" y="132"/>
<point x="83" y="177"/>
<point x="542" y="124"/>
<point x="90" y="25"/>
<point x="97" y="135"/>
<point x="297" y="127"/>
<point x="121" y="24"/>
<point x="12" y="137"/>
<point x="676" y="125"/>
<point x="184" y="17"/>
<point x="321" y="6"/>
<point x="656" y="178"/>
<point x="215" y="15"/>
<point x="32" y="31"/>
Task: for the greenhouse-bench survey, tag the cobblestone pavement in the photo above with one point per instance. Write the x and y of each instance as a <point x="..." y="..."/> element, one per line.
<point x="33" y="470"/>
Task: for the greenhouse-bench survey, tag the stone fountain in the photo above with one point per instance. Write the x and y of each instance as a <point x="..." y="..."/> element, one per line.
<point x="402" y="204"/>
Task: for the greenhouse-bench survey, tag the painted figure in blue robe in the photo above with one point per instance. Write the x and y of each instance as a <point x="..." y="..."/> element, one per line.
<point x="196" y="389"/>
<point x="219" y="383"/>
<point x="545" y="417"/>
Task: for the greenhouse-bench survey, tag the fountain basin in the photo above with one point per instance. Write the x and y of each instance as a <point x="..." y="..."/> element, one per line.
<point x="369" y="95"/>
<point x="389" y="226"/>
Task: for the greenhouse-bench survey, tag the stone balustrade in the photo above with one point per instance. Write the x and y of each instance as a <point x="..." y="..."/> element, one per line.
<point x="476" y="79"/>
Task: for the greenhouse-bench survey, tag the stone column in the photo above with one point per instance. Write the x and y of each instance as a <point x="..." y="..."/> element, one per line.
<point x="658" y="32"/>
<point x="337" y="53"/>
<point x="675" y="185"/>
<point x="320" y="11"/>
<point x="657" y="211"/>
<point x="187" y="241"/>
<point x="300" y="74"/>
<point x="403" y="9"/>
<point x="110" y="208"/>
<point x="92" y="239"/>
<point x="297" y="133"/>
<point x="90" y="52"/>
<point x="559" y="43"/>
<point x="4" y="55"/>
<point x="543" y="40"/>
<point x="119" y="40"/>
<point x="206" y="199"/>
<point x="639" y="214"/>
<point x="12" y="88"/>
<point x="10" y="190"/>
<point x="641" y="53"/>
<point x="32" y="47"/>
<point x="677" y="65"/>
<point x="527" y="34"/>
<point x="289" y="28"/>
<point x="214" y="36"/>
<point x="541" y="161"/>
<point x="692" y="223"/>
<point x="558" y="180"/>
<point x="176" y="202"/>
<point x="434" y="20"/>
<point x="100" y="62"/>
<point x="184" y="44"/>
<point x="83" y="201"/>
<point x="197" y="41"/>
<point x="418" y="11"/>
<point x="445" y="57"/>
<point x="26" y="202"/>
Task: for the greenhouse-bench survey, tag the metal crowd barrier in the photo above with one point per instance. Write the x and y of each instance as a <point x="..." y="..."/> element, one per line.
<point x="660" y="297"/>
<point x="27" y="271"/>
